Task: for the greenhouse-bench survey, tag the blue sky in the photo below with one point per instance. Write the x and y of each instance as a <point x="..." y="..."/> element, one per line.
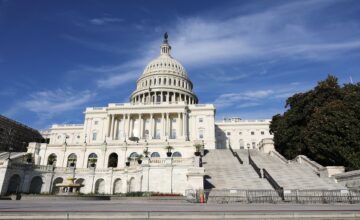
<point x="246" y="57"/>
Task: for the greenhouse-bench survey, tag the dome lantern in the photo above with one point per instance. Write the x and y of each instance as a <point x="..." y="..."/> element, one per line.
<point x="165" y="47"/>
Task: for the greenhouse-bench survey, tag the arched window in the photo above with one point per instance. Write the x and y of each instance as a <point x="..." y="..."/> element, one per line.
<point x="154" y="81"/>
<point x="164" y="81"/>
<point x="155" y="154"/>
<point x="150" y="82"/>
<point x="113" y="160"/>
<point x="52" y="159"/>
<point x="71" y="162"/>
<point x="92" y="159"/>
<point x="159" y="81"/>
<point x="134" y="155"/>
<point x="176" y="154"/>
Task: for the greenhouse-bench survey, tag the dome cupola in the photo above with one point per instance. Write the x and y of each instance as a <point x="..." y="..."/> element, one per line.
<point x="164" y="80"/>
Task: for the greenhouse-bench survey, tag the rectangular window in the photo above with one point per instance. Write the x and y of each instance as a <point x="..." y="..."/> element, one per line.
<point x="242" y="144"/>
<point x="157" y="134"/>
<point x="201" y="134"/>
<point x="201" y="120"/>
<point x="252" y="133"/>
<point x="173" y="133"/>
<point x="253" y="145"/>
<point x="228" y="133"/>
<point x="94" y="136"/>
<point x="262" y="133"/>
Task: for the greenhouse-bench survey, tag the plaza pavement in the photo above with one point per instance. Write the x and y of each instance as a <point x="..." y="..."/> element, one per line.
<point x="150" y="209"/>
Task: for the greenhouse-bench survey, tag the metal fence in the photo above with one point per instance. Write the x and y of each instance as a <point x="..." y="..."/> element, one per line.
<point x="273" y="196"/>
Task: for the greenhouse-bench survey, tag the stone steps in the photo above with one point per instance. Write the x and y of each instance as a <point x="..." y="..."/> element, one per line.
<point x="292" y="175"/>
<point x="223" y="171"/>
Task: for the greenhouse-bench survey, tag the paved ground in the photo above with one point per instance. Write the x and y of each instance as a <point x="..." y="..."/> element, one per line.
<point x="140" y="209"/>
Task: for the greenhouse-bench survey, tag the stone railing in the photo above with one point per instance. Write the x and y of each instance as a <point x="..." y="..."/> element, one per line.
<point x="279" y="156"/>
<point x="310" y="163"/>
<point x="173" y="161"/>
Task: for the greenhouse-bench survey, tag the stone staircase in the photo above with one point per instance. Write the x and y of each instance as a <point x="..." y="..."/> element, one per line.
<point x="291" y="175"/>
<point x="223" y="171"/>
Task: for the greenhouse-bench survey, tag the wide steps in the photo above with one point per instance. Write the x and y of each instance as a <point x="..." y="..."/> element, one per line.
<point x="292" y="175"/>
<point x="223" y="171"/>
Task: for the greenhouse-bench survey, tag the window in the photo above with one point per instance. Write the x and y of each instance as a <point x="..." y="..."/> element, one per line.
<point x="72" y="158"/>
<point x="252" y="133"/>
<point x="253" y="145"/>
<point x="134" y="155"/>
<point x="173" y="120"/>
<point x="201" y="120"/>
<point x="157" y="134"/>
<point x="201" y="134"/>
<point x="52" y="159"/>
<point x="113" y="160"/>
<point x="176" y="154"/>
<point x="173" y="133"/>
<point x="242" y="145"/>
<point x="240" y="133"/>
<point x="155" y="154"/>
<point x="96" y="122"/>
<point x="248" y="145"/>
<point x="262" y="133"/>
<point x="92" y="160"/>
<point x="228" y="133"/>
<point x="78" y="137"/>
<point x="58" y="137"/>
<point x="94" y="136"/>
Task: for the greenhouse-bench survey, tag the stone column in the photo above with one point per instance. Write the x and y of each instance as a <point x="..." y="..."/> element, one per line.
<point x="131" y="124"/>
<point x="168" y="124"/>
<point x="162" y="126"/>
<point x="179" y="127"/>
<point x="116" y="129"/>
<point x="109" y="125"/>
<point x="123" y="126"/>
<point x="184" y="125"/>
<point x="151" y="130"/>
<point x="141" y="124"/>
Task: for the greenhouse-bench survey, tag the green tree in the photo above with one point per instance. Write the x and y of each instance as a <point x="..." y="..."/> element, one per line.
<point x="323" y="123"/>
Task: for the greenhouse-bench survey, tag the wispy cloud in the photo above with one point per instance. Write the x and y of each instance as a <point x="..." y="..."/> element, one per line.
<point x="105" y="20"/>
<point x="237" y="99"/>
<point x="117" y="80"/>
<point x="49" y="103"/>
<point x="273" y="32"/>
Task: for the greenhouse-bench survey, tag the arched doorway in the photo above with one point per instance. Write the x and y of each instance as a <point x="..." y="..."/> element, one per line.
<point x="113" y="160"/>
<point x="117" y="186"/>
<point x="55" y="189"/>
<point x="100" y="186"/>
<point x="36" y="185"/>
<point x="14" y="184"/>
<point x="81" y="181"/>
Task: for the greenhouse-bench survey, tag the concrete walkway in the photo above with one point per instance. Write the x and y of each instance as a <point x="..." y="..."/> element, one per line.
<point x="140" y="209"/>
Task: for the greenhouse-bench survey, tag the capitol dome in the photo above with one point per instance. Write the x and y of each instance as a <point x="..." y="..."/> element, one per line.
<point x="164" y="80"/>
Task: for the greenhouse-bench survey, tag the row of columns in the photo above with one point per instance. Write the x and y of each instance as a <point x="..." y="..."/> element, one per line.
<point x="127" y="123"/>
<point x="163" y="96"/>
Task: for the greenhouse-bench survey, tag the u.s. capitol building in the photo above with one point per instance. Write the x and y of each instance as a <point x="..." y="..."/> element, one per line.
<point x="147" y="144"/>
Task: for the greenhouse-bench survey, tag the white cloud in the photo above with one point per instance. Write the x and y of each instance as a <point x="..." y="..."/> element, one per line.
<point x="52" y="102"/>
<point x="242" y="100"/>
<point x="105" y="20"/>
<point x="117" y="80"/>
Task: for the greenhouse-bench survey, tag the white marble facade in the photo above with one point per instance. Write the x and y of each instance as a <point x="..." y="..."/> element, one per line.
<point x="163" y="111"/>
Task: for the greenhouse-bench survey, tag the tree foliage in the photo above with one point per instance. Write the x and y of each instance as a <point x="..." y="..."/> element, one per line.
<point x="323" y="124"/>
